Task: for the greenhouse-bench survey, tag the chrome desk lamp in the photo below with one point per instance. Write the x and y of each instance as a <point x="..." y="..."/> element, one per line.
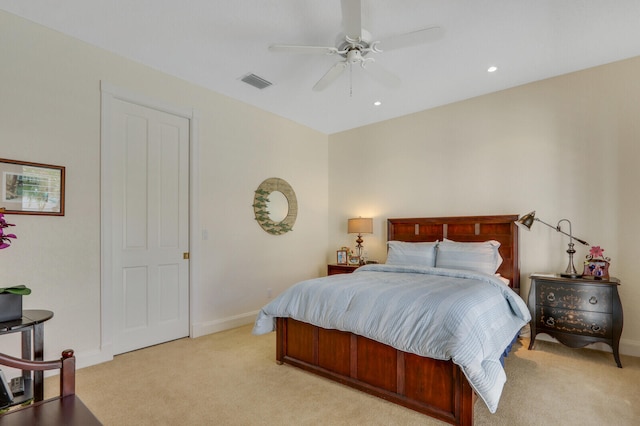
<point x="527" y="220"/>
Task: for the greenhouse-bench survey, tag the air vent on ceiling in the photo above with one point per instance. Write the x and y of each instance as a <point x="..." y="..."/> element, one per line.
<point x="255" y="81"/>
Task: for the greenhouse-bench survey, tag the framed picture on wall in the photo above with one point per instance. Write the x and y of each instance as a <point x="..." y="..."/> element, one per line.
<point x="342" y="257"/>
<point x="31" y="188"/>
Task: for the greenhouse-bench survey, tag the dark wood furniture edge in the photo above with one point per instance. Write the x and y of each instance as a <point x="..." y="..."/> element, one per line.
<point x="334" y="268"/>
<point x="437" y="228"/>
<point x="64" y="407"/>
<point x="66" y="364"/>
<point x="31" y="327"/>
<point x="69" y="409"/>
<point x="462" y="397"/>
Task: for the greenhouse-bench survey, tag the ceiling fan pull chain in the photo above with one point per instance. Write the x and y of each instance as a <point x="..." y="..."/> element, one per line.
<point x="350" y="80"/>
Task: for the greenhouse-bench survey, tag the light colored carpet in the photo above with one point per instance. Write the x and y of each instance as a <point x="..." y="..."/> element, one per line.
<point x="231" y="378"/>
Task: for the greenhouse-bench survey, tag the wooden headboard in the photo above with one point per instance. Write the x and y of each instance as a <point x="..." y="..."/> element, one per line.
<point x="465" y="229"/>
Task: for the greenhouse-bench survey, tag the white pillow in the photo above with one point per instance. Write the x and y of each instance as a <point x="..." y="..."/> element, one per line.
<point x="418" y="254"/>
<point x="503" y="279"/>
<point x="480" y="257"/>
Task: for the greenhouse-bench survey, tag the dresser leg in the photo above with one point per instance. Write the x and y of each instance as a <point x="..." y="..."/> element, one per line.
<point x="532" y="341"/>
<point x="616" y="356"/>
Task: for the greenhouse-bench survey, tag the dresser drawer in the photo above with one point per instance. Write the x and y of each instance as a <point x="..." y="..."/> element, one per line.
<point x="592" y="298"/>
<point x="585" y="323"/>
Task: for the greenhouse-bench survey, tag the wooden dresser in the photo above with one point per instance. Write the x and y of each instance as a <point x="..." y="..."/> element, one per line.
<point x="576" y="311"/>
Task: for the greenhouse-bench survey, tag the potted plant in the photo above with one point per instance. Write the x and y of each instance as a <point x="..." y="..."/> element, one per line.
<point x="10" y="297"/>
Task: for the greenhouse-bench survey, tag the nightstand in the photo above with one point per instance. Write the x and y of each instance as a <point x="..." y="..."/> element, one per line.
<point x="334" y="268"/>
<point x="576" y="311"/>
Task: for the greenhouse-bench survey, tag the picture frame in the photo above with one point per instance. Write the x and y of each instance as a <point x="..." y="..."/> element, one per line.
<point x="596" y="268"/>
<point x="31" y="188"/>
<point x="342" y="257"/>
<point x="354" y="260"/>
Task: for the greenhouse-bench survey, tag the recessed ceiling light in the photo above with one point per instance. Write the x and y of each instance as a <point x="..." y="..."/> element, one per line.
<point x="377" y="103"/>
<point x="492" y="69"/>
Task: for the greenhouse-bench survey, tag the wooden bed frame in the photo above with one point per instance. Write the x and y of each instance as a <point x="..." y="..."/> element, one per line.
<point x="433" y="387"/>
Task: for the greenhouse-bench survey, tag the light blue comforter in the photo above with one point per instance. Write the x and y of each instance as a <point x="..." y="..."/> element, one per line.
<point x="439" y="313"/>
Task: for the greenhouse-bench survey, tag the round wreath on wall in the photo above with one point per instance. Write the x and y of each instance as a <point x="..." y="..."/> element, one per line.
<point x="261" y="204"/>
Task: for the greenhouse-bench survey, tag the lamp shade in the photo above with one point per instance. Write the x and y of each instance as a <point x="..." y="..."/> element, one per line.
<point x="527" y="220"/>
<point x="360" y="225"/>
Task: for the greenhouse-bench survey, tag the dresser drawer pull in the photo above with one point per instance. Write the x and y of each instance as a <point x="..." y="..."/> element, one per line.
<point x="550" y="322"/>
<point x="593" y="300"/>
<point x="595" y="327"/>
<point x="551" y="297"/>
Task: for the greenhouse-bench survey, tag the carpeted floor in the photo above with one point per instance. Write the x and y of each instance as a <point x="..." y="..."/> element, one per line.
<point x="231" y="378"/>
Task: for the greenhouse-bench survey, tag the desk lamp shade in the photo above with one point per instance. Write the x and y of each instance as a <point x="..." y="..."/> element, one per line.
<point x="360" y="225"/>
<point x="527" y="220"/>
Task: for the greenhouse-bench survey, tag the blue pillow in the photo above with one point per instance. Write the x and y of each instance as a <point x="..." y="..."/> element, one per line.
<point x="416" y="254"/>
<point x="479" y="257"/>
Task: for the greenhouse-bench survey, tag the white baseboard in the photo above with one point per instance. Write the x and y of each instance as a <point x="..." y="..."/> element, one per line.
<point x="89" y="358"/>
<point x="202" y="329"/>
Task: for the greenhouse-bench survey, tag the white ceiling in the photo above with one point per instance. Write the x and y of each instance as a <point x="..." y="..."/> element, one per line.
<point x="213" y="43"/>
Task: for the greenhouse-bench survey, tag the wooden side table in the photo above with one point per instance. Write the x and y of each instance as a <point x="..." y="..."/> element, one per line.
<point x="31" y="325"/>
<point x="334" y="268"/>
<point x="576" y="311"/>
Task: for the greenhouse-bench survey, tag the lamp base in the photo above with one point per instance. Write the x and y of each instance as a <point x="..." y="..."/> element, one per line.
<point x="565" y="275"/>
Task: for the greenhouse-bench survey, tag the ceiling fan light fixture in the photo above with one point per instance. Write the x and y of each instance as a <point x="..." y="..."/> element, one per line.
<point x="355" y="45"/>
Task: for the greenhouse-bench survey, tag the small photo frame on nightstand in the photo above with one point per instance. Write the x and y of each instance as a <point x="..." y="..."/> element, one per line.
<point x="597" y="268"/>
<point x="354" y="261"/>
<point x="342" y="257"/>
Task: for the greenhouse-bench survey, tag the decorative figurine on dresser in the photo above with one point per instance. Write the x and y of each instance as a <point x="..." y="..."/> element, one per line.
<point x="579" y="310"/>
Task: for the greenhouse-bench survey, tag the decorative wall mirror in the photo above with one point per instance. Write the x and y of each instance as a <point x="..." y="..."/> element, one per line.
<point x="275" y="206"/>
<point x="31" y="188"/>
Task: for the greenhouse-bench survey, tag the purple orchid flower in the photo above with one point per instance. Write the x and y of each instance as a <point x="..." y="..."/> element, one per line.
<point x="5" y="239"/>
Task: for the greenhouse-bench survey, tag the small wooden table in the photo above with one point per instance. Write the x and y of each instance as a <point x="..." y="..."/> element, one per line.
<point x="334" y="268"/>
<point x="31" y="324"/>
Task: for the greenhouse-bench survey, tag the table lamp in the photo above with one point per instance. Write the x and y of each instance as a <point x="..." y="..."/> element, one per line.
<point x="360" y="225"/>
<point x="527" y="220"/>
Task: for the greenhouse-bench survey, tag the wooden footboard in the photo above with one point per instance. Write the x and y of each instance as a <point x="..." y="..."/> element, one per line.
<point x="433" y="387"/>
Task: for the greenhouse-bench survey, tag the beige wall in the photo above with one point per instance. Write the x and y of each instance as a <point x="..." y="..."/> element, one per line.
<point x="567" y="147"/>
<point x="50" y="113"/>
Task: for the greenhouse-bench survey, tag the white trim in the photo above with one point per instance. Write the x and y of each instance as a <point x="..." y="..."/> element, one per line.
<point x="142" y="100"/>
<point x="106" y="302"/>
<point x="109" y="93"/>
<point x="194" y="219"/>
<point x="223" y="324"/>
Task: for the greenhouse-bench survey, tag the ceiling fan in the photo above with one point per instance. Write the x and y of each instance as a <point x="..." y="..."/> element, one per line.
<point x="355" y="44"/>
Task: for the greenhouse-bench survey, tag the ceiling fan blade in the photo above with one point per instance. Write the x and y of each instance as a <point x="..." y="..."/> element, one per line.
<point x="352" y="19"/>
<point x="413" y="38"/>
<point x="313" y="50"/>
<point x="331" y="76"/>
<point x="382" y="76"/>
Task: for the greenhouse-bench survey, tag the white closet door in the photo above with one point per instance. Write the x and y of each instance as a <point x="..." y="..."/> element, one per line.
<point x="150" y="234"/>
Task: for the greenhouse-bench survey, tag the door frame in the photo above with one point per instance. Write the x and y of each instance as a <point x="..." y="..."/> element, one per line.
<point x="109" y="93"/>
